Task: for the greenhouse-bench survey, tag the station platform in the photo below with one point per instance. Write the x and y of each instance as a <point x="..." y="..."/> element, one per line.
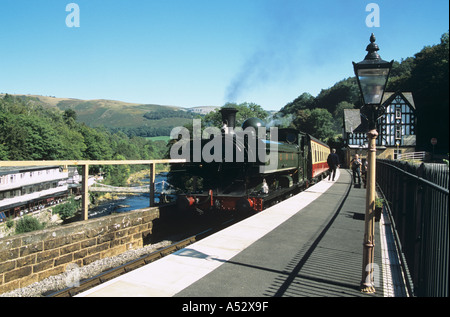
<point x="307" y="245"/>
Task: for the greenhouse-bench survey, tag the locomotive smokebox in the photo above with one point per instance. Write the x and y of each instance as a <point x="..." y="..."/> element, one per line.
<point x="229" y="116"/>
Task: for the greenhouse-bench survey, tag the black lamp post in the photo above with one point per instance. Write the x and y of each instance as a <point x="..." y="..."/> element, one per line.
<point x="372" y="75"/>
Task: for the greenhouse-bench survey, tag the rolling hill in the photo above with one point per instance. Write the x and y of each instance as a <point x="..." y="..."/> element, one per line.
<point x="140" y="119"/>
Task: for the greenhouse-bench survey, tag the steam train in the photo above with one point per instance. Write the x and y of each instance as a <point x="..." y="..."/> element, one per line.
<point x="254" y="167"/>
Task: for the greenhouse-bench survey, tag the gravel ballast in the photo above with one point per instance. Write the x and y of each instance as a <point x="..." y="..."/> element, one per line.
<point x="74" y="273"/>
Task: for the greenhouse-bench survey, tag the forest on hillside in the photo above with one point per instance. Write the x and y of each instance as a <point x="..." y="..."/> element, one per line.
<point x="33" y="132"/>
<point x="425" y="75"/>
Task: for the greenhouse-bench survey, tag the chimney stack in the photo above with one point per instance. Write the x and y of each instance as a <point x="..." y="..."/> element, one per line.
<point x="229" y="116"/>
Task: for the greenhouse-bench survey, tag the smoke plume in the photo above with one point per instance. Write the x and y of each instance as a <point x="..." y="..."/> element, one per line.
<point x="277" y="57"/>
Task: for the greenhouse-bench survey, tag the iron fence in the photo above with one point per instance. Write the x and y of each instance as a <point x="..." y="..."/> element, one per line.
<point x="414" y="156"/>
<point x="418" y="199"/>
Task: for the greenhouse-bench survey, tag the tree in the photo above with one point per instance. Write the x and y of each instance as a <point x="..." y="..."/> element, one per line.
<point x="245" y="111"/>
<point x="317" y="122"/>
<point x="3" y="152"/>
<point x="117" y="175"/>
<point x="96" y="142"/>
<point x="429" y="81"/>
<point x="70" y="114"/>
<point x="344" y="90"/>
<point x="68" y="209"/>
<point x="303" y="102"/>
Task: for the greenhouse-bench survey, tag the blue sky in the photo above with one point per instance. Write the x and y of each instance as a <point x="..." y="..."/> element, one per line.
<point x="202" y="52"/>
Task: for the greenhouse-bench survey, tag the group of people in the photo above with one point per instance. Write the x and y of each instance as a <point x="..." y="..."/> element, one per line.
<point x="356" y="165"/>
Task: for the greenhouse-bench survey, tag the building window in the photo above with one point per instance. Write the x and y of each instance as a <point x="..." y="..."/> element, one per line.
<point x="398" y="132"/>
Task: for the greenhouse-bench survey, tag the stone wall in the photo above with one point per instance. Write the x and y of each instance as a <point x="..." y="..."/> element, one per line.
<point x="34" y="256"/>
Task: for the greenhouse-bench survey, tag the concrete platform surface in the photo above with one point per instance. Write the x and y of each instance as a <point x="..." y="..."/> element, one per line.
<point x="307" y="245"/>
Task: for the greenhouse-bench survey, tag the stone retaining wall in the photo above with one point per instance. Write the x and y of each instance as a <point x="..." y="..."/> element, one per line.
<point x="34" y="256"/>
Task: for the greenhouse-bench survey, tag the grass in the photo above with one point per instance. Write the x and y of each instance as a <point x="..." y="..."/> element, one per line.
<point x="159" y="138"/>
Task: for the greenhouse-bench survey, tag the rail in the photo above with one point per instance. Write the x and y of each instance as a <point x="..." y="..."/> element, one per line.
<point x="418" y="199"/>
<point x="412" y="156"/>
<point x="125" y="268"/>
<point x="85" y="173"/>
<point x="107" y="275"/>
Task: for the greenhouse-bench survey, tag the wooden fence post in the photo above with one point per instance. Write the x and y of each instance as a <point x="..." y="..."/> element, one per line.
<point x="85" y="192"/>
<point x="152" y="184"/>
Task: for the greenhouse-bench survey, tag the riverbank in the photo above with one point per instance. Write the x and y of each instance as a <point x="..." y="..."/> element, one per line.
<point x="138" y="177"/>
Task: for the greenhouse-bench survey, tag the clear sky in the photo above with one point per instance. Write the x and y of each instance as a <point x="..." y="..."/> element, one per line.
<point x="202" y="52"/>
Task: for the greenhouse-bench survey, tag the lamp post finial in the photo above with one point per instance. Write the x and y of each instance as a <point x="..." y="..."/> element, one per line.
<point x="372" y="49"/>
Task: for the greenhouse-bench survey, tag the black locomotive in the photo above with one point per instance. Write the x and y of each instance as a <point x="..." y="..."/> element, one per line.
<point x="253" y="167"/>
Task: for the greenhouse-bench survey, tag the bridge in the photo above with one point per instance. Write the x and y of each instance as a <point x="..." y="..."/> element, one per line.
<point x="315" y="243"/>
<point x="99" y="187"/>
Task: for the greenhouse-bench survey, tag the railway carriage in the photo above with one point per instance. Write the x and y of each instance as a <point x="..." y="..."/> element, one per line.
<point x="263" y="171"/>
<point x="318" y="157"/>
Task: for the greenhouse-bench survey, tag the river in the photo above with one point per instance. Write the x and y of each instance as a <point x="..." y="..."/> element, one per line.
<point x="128" y="202"/>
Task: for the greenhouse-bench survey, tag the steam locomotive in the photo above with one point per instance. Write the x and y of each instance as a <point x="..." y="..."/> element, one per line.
<point x="253" y="167"/>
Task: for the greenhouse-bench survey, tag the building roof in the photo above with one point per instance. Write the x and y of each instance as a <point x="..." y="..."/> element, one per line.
<point x="353" y="122"/>
<point x="22" y="169"/>
<point x="407" y="96"/>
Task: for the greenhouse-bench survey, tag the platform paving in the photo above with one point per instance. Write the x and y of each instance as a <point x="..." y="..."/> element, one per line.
<point x="307" y="245"/>
<point x="317" y="252"/>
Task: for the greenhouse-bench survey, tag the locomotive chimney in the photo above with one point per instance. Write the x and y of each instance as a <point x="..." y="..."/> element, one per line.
<point x="229" y="117"/>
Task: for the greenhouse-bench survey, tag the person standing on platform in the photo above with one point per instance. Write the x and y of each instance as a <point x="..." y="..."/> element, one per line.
<point x="355" y="163"/>
<point x="333" y="163"/>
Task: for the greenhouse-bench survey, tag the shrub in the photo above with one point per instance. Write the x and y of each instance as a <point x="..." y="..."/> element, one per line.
<point x="10" y="222"/>
<point x="28" y="224"/>
<point x="67" y="210"/>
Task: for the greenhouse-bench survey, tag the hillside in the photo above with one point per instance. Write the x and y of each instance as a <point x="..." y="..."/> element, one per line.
<point x="131" y="118"/>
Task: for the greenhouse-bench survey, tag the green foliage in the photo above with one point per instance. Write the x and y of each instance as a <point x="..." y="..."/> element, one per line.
<point x="425" y="75"/>
<point x="28" y="131"/>
<point x="245" y="110"/>
<point x="28" y="224"/>
<point x="446" y="161"/>
<point x="303" y="102"/>
<point x="317" y="122"/>
<point x="118" y="174"/>
<point x="68" y="209"/>
<point x="167" y="113"/>
<point x="9" y="222"/>
<point x="3" y="153"/>
<point x="148" y="131"/>
<point x="379" y="202"/>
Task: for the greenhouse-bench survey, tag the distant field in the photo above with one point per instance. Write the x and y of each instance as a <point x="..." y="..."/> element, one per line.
<point x="159" y="138"/>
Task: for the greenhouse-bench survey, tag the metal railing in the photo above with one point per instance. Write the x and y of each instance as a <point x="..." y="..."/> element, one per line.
<point x="85" y="173"/>
<point x="412" y="156"/>
<point x="418" y="199"/>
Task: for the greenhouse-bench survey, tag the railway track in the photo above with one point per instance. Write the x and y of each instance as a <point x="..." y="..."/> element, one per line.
<point x="107" y="275"/>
